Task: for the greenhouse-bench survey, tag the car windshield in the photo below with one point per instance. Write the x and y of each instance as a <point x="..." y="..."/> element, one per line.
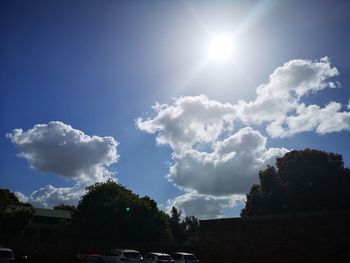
<point x="132" y="255"/>
<point x="190" y="257"/>
<point x="6" y="254"/>
<point x="164" y="257"/>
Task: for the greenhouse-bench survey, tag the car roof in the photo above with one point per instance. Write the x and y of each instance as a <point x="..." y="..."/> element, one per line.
<point x="158" y="254"/>
<point x="183" y="253"/>
<point x="6" y="249"/>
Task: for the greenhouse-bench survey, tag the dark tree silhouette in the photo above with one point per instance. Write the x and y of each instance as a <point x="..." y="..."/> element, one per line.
<point x="176" y="226"/>
<point x="7" y="198"/>
<point x="308" y="180"/>
<point x="191" y="228"/>
<point x="110" y="211"/>
<point x="13" y="220"/>
<point x="184" y="230"/>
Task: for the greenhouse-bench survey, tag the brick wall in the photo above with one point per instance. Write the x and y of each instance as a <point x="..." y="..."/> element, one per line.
<point x="307" y="237"/>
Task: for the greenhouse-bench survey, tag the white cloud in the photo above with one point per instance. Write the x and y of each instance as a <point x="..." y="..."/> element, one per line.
<point x="322" y="120"/>
<point x="207" y="157"/>
<point x="58" y="148"/>
<point x="284" y="89"/>
<point x="50" y="196"/>
<point x="231" y="168"/>
<point x="21" y="197"/>
<point x="279" y="101"/>
<point x="212" y="159"/>
<point x="204" y="206"/>
<point x="190" y="120"/>
<point x="214" y="165"/>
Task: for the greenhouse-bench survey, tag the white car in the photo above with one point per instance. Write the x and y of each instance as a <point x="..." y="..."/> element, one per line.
<point x="183" y="257"/>
<point x="6" y="255"/>
<point x="123" y="255"/>
<point x="155" y="257"/>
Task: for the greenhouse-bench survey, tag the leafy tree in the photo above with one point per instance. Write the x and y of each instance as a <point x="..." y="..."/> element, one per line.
<point x="7" y="198"/>
<point x="13" y="220"/>
<point x="307" y="180"/>
<point x="110" y="211"/>
<point x="191" y="229"/>
<point x="186" y="230"/>
<point x="176" y="226"/>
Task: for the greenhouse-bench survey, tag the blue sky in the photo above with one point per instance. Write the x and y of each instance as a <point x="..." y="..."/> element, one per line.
<point x="96" y="67"/>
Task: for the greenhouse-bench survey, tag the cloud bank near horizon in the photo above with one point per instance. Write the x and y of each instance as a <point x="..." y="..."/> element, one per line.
<point x="214" y="163"/>
<point x="67" y="152"/>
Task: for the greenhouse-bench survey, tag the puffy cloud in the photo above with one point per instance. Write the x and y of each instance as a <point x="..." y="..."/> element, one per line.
<point x="284" y="89"/>
<point x="204" y="159"/>
<point x="209" y="159"/>
<point x="231" y="168"/>
<point x="189" y="121"/>
<point x="322" y="120"/>
<point x="58" y="148"/>
<point x="197" y="120"/>
<point x="204" y="206"/>
<point x="50" y="196"/>
<point x="213" y="160"/>
<point x="279" y="101"/>
<point x="21" y="197"/>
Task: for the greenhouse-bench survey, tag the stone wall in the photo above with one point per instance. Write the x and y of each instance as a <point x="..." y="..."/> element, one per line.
<point x="307" y="237"/>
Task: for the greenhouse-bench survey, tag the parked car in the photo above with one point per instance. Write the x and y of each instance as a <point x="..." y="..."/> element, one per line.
<point x="6" y="255"/>
<point x="155" y="257"/>
<point x="183" y="257"/>
<point x="92" y="258"/>
<point x="123" y="255"/>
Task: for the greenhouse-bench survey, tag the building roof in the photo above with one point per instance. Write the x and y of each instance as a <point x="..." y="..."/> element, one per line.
<point x="56" y="213"/>
<point x="43" y="212"/>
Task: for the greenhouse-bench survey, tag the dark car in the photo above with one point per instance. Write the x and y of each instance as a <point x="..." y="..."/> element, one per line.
<point x="183" y="257"/>
<point x="156" y="257"/>
<point x="6" y="255"/>
<point x="92" y="258"/>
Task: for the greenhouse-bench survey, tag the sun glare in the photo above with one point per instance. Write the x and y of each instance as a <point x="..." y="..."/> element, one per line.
<point x="220" y="48"/>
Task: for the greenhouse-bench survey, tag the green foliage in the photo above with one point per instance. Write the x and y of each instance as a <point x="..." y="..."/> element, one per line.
<point x="109" y="211"/>
<point x="308" y="180"/>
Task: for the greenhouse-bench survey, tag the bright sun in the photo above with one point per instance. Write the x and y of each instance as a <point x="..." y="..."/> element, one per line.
<point x="220" y="48"/>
